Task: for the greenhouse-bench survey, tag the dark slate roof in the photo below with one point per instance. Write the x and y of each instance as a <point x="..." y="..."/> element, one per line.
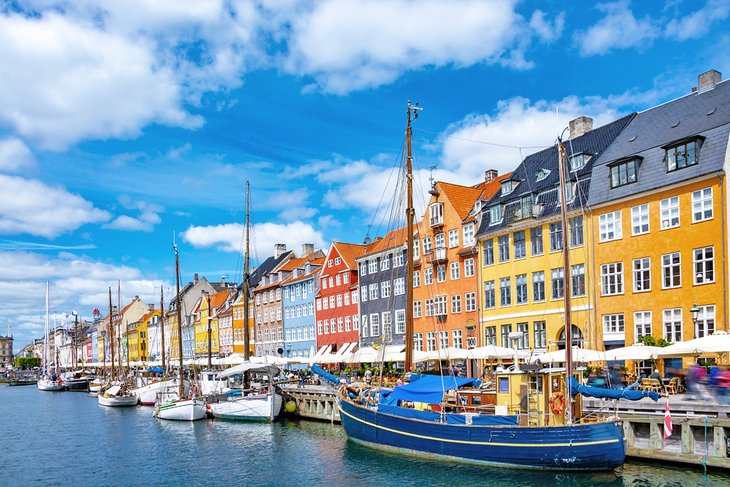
<point x="545" y="192"/>
<point x="265" y="267"/>
<point x="705" y="114"/>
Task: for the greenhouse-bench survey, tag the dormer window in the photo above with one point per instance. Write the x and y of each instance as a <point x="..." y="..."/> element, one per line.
<point x="542" y="174"/>
<point x="684" y="154"/>
<point x="436" y="212"/>
<point x="477" y="206"/>
<point x="578" y="161"/>
<point x="495" y="214"/>
<point x="569" y="192"/>
<point x="624" y="172"/>
<point x="507" y="187"/>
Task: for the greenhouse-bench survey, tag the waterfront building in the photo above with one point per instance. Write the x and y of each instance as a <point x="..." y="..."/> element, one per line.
<point x="520" y="240"/>
<point x="336" y="303"/>
<point x="445" y="265"/>
<point x="659" y="206"/>
<point x="269" y="305"/>
<point x="225" y="326"/>
<point x="132" y="339"/>
<point x="299" y="289"/>
<point x="189" y="296"/>
<point x="382" y="290"/>
<point x="6" y="350"/>
<point x="155" y="322"/>
<point x="206" y="320"/>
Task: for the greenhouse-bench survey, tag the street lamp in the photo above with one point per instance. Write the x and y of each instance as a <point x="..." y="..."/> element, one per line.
<point x="210" y="363"/>
<point x="695" y="310"/>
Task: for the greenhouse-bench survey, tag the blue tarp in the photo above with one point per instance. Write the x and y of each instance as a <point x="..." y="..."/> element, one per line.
<point x="156" y="370"/>
<point x="630" y="394"/>
<point x="484" y="420"/>
<point x="326" y="375"/>
<point x="428" y="389"/>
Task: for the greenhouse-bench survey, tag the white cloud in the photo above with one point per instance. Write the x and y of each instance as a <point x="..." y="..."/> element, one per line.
<point x="229" y="237"/>
<point x="30" y="206"/>
<point x="545" y="30"/>
<point x="353" y="44"/>
<point x="618" y="29"/>
<point x="15" y="155"/>
<point x="145" y="221"/>
<point x="699" y="22"/>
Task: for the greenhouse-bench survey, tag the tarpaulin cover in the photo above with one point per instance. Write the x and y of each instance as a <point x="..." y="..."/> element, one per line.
<point x="156" y="370"/>
<point x="428" y="389"/>
<point x="325" y="375"/>
<point x="483" y="420"/>
<point x="630" y="394"/>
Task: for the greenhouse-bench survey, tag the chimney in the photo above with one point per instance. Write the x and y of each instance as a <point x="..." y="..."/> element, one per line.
<point x="195" y="277"/>
<point x="580" y="126"/>
<point x="490" y="175"/>
<point x="707" y="81"/>
<point x="151" y="307"/>
<point x="136" y="298"/>
<point x="223" y="281"/>
<point x="279" y="250"/>
<point x="307" y="249"/>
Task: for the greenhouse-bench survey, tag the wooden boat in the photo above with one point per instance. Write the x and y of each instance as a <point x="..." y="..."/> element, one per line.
<point x="22" y="382"/>
<point x="48" y="382"/>
<point x="148" y="394"/>
<point x="116" y="396"/>
<point x="257" y="404"/>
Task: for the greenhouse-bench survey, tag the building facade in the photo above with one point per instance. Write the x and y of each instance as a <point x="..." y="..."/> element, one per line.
<point x="300" y="336"/>
<point x="6" y="350"/>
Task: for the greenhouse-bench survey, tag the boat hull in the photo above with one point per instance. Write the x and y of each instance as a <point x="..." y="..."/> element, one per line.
<point x="22" y="382"/>
<point x="264" y="408"/>
<point x="185" y="410"/>
<point x="50" y="385"/>
<point x="77" y="385"/>
<point x="148" y="394"/>
<point x="117" y="401"/>
<point x="597" y="446"/>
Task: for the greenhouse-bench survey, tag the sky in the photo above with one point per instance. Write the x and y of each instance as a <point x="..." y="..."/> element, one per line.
<point x="125" y="125"/>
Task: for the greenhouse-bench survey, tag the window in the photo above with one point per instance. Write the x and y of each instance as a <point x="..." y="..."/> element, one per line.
<point x="506" y="330"/>
<point x="374" y="325"/>
<point x="642" y="324"/>
<point x="471" y="301"/>
<point x="704" y="264"/>
<point x="355" y="322"/>
<point x="672" y="320"/>
<point x="669" y="212"/>
<point x="612" y="278"/>
<point x="453" y="238"/>
<point x="338" y="281"/>
<point x="539" y="329"/>
<point x="417" y="309"/>
<point x="556" y="236"/>
<point x="456" y="303"/>
<point x="642" y="274"/>
<point x="671" y="270"/>
<point x="640" y="219"/>
<point x="372" y="266"/>
<point x="702" y="205"/>
<point x="418" y="342"/>
<point x="416" y="249"/>
<point x="705" y="321"/>
<point x="332" y="302"/>
<point x="521" y="288"/>
<point x="507" y="187"/>
<point x="468" y="267"/>
<point x="427" y="247"/>
<point x="538" y="286"/>
<point x="624" y="173"/>
<point x="468" y="234"/>
<point x="436" y="212"/>
<point x="504" y="248"/>
<point x="385" y="263"/>
<point x="542" y="174"/>
<point x="416" y="278"/>
<point x="428" y="276"/>
<point x="430" y="341"/>
<point x="489" y="298"/>
<point x="387" y="327"/>
<point x="439" y="305"/>
<point x="339" y="300"/>
<point x="505" y="292"/>
<point x="399" y="286"/>
<point x="524" y="341"/>
<point x="613" y="323"/>
<point x="346" y="298"/>
<point x="682" y="155"/>
<point x="578" y="280"/>
<point x="363" y="295"/>
<point x="455" y="270"/>
<point x="439" y="241"/>
<point x="354" y="297"/>
<point x="363" y="272"/>
<point x="556" y="277"/>
<point x="339" y="325"/>
<point x="399" y="259"/>
<point x="373" y="288"/>
<point x="457" y="339"/>
<point x="609" y="225"/>
<point x="576" y="231"/>
<point x="400" y="321"/>
<point x="488" y="252"/>
<point x="536" y="240"/>
<point x="365" y="328"/>
<point x="385" y="289"/>
<point x="520" y="250"/>
<point x="490" y="335"/>
<point x="495" y="214"/>
<point x="577" y="161"/>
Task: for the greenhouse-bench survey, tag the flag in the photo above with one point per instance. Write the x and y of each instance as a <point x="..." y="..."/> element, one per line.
<point x="667" y="421"/>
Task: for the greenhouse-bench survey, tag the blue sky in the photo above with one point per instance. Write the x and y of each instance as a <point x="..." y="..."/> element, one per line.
<point x="122" y="123"/>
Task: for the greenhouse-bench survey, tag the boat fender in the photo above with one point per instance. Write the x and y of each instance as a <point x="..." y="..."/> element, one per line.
<point x="290" y="406"/>
<point x="557" y="403"/>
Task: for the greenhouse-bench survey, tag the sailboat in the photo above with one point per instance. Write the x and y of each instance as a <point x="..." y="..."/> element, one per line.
<point x="449" y="418"/>
<point x="172" y="402"/>
<point x="48" y="382"/>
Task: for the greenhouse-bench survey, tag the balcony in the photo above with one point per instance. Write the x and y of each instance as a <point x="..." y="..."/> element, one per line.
<point x="436" y="214"/>
<point x="439" y="256"/>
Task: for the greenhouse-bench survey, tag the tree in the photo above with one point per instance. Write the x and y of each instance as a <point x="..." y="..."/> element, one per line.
<point x="27" y="362"/>
<point x="650" y="341"/>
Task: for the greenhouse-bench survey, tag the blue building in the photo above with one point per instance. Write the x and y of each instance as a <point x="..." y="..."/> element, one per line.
<point x="299" y="290"/>
<point x="383" y="291"/>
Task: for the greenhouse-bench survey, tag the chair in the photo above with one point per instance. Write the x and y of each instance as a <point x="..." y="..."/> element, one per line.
<point x="644" y="385"/>
<point x="673" y="386"/>
<point x="655" y="385"/>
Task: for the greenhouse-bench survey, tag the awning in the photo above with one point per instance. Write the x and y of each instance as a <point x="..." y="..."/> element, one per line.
<point x="322" y="350"/>
<point x="578" y="355"/>
<point x="428" y="389"/>
<point x="718" y="342"/>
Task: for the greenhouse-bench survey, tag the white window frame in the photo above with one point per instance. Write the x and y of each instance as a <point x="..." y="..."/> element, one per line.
<point x="455" y="270"/>
<point x="702" y="205"/>
<point x="671" y="269"/>
<point x="642" y="325"/>
<point x="669" y="213"/>
<point x="453" y="238"/>
<point x="703" y="265"/>
<point x="706" y="321"/>
<point x="672" y="317"/>
<point x="640" y="219"/>
<point x="469" y="267"/>
<point x="640" y="268"/>
<point x="612" y="278"/>
<point x="609" y="225"/>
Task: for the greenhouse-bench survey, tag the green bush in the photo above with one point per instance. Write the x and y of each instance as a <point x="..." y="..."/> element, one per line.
<point x="27" y="362"/>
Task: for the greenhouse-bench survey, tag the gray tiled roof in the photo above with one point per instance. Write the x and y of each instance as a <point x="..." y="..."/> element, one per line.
<point x="704" y="114"/>
<point x="544" y="192"/>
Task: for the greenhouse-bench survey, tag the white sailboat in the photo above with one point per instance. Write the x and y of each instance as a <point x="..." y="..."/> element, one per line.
<point x="48" y="382"/>
<point x="261" y="403"/>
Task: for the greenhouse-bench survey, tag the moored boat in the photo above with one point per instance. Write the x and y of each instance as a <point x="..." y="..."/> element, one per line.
<point x="169" y="406"/>
<point x="47" y="383"/>
<point x="116" y="396"/>
<point x="22" y="382"/>
<point x="148" y="394"/>
<point x="262" y="403"/>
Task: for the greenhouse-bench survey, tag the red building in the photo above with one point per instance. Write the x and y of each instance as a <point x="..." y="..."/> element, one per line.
<point x="336" y="306"/>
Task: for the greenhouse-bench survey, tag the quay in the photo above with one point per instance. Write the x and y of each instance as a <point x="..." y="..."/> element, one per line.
<point x="311" y="402"/>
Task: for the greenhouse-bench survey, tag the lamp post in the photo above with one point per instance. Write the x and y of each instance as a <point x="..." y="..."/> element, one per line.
<point x="695" y="310"/>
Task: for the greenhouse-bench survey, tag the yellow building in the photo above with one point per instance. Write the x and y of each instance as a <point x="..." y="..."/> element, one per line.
<point x="238" y="328"/>
<point x="201" y="318"/>
<point x="521" y="257"/>
<point x="659" y="203"/>
<point x="132" y="339"/>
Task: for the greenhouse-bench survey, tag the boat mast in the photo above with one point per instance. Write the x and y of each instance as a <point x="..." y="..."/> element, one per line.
<point x="181" y="388"/>
<point x="412" y="113"/>
<point x="562" y="160"/>
<point x="111" y="334"/>
<point x="119" y="328"/>
<point x="46" y="342"/>
<point x="245" y="285"/>
<point x="162" y="329"/>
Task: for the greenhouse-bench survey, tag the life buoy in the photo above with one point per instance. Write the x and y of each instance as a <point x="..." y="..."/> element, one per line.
<point x="557" y="403"/>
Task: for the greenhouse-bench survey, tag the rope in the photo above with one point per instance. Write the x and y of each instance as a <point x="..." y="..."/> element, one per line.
<point x="704" y="459"/>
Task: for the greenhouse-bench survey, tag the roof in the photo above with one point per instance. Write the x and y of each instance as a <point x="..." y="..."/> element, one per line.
<point x="265" y="267"/>
<point x="705" y="114"/>
<point x="315" y="263"/>
<point x="298" y="262"/>
<point x="392" y="239"/>
<point x="537" y="178"/>
<point x="349" y="252"/>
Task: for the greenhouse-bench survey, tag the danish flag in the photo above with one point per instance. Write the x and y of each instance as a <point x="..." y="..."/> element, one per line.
<point x="667" y="422"/>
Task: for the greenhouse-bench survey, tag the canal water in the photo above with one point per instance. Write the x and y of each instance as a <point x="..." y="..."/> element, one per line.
<point x="68" y="439"/>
